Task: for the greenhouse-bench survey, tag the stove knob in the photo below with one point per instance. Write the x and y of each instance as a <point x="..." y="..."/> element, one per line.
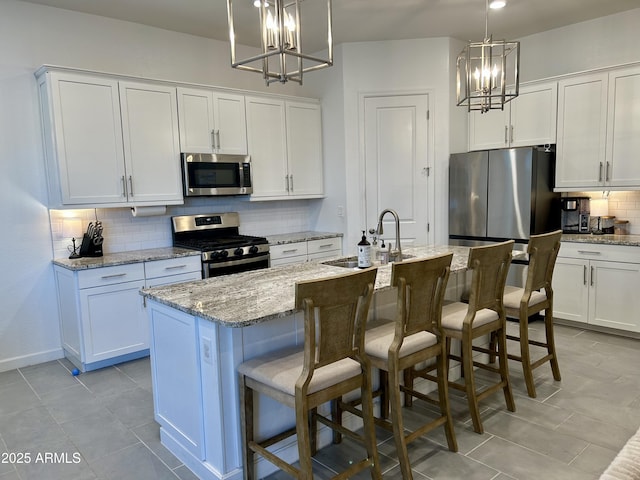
<point x="253" y="249"/>
<point x="223" y="254"/>
<point x="238" y="252"/>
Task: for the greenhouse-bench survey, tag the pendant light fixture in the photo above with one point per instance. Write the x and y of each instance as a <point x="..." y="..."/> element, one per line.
<point x="487" y="72"/>
<point x="281" y="58"/>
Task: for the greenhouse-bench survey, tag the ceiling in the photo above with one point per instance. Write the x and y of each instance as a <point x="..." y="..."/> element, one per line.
<point x="358" y="20"/>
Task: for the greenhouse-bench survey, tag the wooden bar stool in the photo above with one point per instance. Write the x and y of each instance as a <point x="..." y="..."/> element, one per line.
<point x="413" y="338"/>
<point x="331" y="364"/>
<point x="536" y="296"/>
<point x="483" y="315"/>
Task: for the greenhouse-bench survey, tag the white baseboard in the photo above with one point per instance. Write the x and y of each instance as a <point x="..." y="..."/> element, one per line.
<point x="31" y="359"/>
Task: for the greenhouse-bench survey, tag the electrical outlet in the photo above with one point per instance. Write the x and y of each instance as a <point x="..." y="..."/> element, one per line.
<point x="207" y="352"/>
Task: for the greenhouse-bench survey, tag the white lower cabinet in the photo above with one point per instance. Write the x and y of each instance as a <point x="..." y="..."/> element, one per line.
<point x="102" y="314"/>
<point x="598" y="285"/>
<point x="305" y="251"/>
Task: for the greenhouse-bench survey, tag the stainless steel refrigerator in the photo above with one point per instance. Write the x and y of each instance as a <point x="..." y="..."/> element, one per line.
<point x="499" y="195"/>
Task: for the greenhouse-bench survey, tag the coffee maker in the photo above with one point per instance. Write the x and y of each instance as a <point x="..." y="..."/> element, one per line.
<point x="575" y="214"/>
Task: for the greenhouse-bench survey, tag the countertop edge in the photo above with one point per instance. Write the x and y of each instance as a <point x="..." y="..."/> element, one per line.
<point x="124" y="258"/>
<point x="304" y="236"/>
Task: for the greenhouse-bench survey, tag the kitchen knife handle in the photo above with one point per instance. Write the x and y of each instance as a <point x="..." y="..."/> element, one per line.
<point x="584" y="274"/>
<point x="124" y="187"/>
<point x="600" y="173"/>
<point x="131" y="185"/>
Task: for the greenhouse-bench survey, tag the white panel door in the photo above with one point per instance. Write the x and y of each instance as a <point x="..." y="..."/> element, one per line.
<point x="151" y="143"/>
<point x="230" y="123"/>
<point x="195" y="111"/>
<point x="396" y="162"/>
<point x="533" y="116"/>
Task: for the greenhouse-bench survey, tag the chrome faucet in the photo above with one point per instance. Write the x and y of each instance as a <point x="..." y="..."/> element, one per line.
<point x="396" y="254"/>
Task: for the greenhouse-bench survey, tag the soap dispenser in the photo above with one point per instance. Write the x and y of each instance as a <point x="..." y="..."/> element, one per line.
<point x="364" y="252"/>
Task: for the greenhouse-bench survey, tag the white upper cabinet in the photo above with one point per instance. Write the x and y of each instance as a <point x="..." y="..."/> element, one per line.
<point x="83" y="138"/>
<point x="599" y="131"/>
<point x="582" y="124"/>
<point x="285" y="143"/>
<point x="151" y="145"/>
<point x="109" y="142"/>
<point x="212" y="121"/>
<point x="527" y="120"/>
<point x="623" y="128"/>
<point x="304" y="148"/>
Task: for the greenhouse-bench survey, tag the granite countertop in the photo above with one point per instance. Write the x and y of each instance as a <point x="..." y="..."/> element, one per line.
<point x="123" y="258"/>
<point x="285" y="238"/>
<point x="248" y="298"/>
<point x="624" y="240"/>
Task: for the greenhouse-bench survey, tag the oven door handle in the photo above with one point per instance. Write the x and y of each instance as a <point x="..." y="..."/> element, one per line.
<point x="237" y="261"/>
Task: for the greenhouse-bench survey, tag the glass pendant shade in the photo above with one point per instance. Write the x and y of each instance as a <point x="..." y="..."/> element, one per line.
<point x="487" y="74"/>
<point x="281" y="58"/>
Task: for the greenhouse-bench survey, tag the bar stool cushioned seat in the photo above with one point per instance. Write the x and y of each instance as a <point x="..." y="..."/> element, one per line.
<point x="483" y="316"/>
<point x="332" y="363"/>
<point x="413" y="338"/>
<point x="536" y="296"/>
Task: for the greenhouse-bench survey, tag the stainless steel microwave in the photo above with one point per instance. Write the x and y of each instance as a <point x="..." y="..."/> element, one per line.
<point x="206" y="174"/>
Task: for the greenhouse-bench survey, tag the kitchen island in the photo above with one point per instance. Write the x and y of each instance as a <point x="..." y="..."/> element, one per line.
<point x="201" y="331"/>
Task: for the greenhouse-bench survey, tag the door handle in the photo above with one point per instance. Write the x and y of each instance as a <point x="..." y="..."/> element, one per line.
<point x="506" y="134"/>
<point x="600" y="173"/>
<point x="606" y="174"/>
<point x="591" y="280"/>
<point x="131" y="185"/>
<point x="286" y="182"/>
<point x="511" y="133"/>
<point x="124" y="187"/>
<point x="291" y="182"/>
<point x="213" y="139"/>
<point x="584" y="274"/>
<point x="217" y="139"/>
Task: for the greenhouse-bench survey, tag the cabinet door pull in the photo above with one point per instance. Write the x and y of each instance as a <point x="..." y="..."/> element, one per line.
<point x="175" y="267"/>
<point x="218" y="139"/>
<point x="606" y="174"/>
<point x="584" y="274"/>
<point x="600" y="173"/>
<point x="326" y="245"/>
<point x="115" y="275"/>
<point x="511" y="133"/>
<point x="591" y="277"/>
<point x="506" y="134"/>
<point x="291" y="182"/>
<point x="131" y="185"/>
<point x="213" y="139"/>
<point x="588" y="252"/>
<point x="294" y="250"/>
<point x="286" y="182"/>
<point x="124" y="187"/>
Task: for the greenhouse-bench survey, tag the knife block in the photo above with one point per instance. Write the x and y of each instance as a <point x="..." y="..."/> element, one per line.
<point x="89" y="249"/>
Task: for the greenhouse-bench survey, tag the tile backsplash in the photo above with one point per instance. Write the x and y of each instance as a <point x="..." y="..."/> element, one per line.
<point x="124" y="232"/>
<point x="623" y="205"/>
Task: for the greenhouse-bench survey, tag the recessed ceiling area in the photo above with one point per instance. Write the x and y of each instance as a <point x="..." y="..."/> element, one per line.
<point x="359" y="20"/>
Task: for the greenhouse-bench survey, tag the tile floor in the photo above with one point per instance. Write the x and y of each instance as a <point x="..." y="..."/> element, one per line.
<point x="100" y="425"/>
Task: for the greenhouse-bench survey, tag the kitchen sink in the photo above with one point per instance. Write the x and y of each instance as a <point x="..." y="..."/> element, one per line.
<point x="352" y="262"/>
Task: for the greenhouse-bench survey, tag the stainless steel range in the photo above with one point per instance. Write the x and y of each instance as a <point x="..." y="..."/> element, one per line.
<point x="217" y="236"/>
